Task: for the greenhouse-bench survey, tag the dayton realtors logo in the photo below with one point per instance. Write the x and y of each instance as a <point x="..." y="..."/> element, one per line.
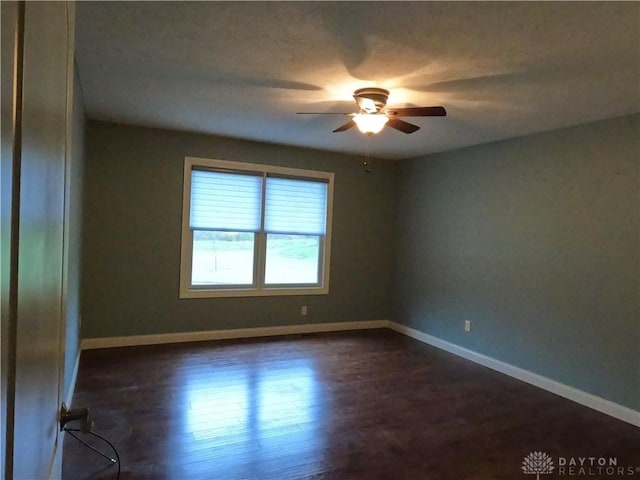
<point x="539" y="463"/>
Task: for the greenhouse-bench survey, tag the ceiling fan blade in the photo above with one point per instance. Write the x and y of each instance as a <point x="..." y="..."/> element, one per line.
<point x="404" y="127"/>
<point x="417" y="112"/>
<point x="323" y="113"/>
<point x="344" y="127"/>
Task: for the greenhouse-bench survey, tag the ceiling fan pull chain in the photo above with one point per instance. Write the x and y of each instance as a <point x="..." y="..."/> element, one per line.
<point x="365" y="163"/>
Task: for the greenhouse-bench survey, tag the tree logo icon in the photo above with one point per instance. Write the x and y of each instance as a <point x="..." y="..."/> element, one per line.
<point x="537" y="463"/>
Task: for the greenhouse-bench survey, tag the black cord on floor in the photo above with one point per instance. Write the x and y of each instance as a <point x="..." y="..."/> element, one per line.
<point x="116" y="460"/>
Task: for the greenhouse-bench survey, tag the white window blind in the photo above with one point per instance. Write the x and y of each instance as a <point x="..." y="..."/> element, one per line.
<point x="295" y="206"/>
<point x="225" y="201"/>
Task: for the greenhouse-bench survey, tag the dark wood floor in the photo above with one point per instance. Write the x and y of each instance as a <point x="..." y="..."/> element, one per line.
<point x="358" y="405"/>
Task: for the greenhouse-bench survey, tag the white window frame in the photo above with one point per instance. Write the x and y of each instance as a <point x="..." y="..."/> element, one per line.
<point x="188" y="291"/>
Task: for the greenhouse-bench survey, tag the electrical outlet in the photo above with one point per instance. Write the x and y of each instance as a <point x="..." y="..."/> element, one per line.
<point x="467" y="325"/>
<point x="303" y="311"/>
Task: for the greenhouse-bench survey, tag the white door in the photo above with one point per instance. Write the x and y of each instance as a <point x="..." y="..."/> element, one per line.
<point x="38" y="321"/>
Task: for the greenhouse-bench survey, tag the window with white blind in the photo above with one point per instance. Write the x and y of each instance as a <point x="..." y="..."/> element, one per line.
<point x="252" y="230"/>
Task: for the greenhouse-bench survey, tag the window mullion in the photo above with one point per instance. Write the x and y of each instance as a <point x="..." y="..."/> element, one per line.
<point x="321" y="254"/>
<point x="261" y="239"/>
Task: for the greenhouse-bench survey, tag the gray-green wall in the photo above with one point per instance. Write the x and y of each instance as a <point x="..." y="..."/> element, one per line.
<point x="535" y="240"/>
<point x="131" y="236"/>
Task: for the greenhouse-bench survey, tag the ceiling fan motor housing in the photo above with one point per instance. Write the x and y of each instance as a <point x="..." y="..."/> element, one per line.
<point x="371" y="99"/>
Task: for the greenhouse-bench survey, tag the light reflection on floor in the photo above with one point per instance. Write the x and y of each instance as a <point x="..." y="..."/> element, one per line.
<point x="250" y="414"/>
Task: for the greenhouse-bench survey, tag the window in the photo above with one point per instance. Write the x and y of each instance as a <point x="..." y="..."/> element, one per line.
<point x="252" y="230"/>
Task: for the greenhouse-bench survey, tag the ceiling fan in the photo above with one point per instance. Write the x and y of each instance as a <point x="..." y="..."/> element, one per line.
<point x="374" y="115"/>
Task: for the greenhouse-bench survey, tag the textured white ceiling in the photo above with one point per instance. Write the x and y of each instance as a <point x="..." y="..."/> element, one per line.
<point x="243" y="69"/>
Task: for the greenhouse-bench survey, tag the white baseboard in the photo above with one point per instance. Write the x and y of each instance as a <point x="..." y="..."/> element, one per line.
<point x="592" y="401"/>
<point x="110" y="342"/>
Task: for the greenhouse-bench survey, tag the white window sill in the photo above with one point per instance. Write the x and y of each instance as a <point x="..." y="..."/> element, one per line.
<point x="265" y="292"/>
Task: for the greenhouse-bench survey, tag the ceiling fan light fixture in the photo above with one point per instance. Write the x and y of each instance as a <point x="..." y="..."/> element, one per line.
<point x="370" y="123"/>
